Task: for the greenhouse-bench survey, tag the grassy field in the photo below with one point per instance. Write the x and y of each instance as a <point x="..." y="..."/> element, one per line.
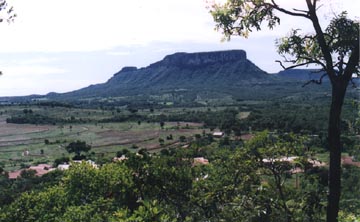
<point x="25" y="143"/>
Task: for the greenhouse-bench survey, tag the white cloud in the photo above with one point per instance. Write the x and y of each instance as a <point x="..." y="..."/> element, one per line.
<point x="118" y="53"/>
<point x="90" y="25"/>
<point x="31" y="70"/>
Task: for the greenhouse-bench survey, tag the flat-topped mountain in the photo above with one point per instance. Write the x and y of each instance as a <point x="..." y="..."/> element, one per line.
<point x="201" y="59"/>
<point x="204" y="70"/>
<point x="220" y="73"/>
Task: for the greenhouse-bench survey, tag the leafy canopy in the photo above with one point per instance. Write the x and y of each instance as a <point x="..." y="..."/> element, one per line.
<point x="330" y="49"/>
<point x="77" y="147"/>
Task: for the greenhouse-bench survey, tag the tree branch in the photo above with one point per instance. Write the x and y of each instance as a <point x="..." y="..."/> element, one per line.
<point x="277" y="7"/>
<point x="319" y="81"/>
<point x="309" y="61"/>
<point x="321" y="40"/>
<point x="313" y="60"/>
<point x="294" y="66"/>
<point x="352" y="63"/>
<point x="314" y="3"/>
<point x="299" y="10"/>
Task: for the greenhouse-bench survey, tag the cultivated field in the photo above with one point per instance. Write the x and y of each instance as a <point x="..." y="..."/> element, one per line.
<point x="28" y="144"/>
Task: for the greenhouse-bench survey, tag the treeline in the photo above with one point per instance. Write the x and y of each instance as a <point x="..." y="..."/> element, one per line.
<point x="289" y="117"/>
<point x="32" y="118"/>
<point x="288" y="121"/>
<point x="53" y="104"/>
<point x="223" y="119"/>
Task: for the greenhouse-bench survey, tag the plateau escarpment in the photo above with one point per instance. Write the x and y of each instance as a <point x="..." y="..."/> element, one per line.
<point x="220" y="73"/>
<point x="204" y="70"/>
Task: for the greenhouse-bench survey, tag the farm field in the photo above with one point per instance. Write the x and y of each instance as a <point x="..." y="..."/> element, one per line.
<point x="28" y="144"/>
<point x="45" y="131"/>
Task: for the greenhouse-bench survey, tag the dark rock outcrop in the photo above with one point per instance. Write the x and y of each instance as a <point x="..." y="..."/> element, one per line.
<point x="193" y="60"/>
<point x="128" y="69"/>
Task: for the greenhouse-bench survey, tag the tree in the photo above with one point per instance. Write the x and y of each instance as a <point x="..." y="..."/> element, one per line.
<point x="9" y="13"/>
<point x="162" y="124"/>
<point x="77" y="147"/>
<point x="161" y="141"/>
<point x="335" y="49"/>
<point x="182" y="138"/>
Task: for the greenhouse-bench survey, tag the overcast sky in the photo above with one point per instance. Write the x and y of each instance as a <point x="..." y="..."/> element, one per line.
<point x="63" y="45"/>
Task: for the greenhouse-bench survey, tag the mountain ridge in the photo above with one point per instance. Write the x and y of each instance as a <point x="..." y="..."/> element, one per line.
<point x="229" y="72"/>
<point x="182" y="70"/>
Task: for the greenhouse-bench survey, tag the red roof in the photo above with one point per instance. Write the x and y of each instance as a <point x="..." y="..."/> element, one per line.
<point x="200" y="161"/>
<point x="40" y="169"/>
<point x="247" y="136"/>
<point x="349" y="161"/>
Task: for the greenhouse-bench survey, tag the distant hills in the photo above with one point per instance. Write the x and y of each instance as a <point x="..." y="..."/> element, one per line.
<point x="223" y="72"/>
<point x="301" y="75"/>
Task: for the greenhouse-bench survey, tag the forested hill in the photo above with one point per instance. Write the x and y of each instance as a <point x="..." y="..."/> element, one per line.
<point x="301" y="75"/>
<point x="182" y="71"/>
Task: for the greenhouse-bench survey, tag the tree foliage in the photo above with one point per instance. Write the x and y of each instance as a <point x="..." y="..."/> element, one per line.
<point x="332" y="49"/>
<point x="335" y="49"/>
<point x="77" y="147"/>
<point x="237" y="185"/>
<point x="6" y="12"/>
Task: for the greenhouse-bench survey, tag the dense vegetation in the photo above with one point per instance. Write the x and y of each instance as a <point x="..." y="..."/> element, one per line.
<point x="238" y="185"/>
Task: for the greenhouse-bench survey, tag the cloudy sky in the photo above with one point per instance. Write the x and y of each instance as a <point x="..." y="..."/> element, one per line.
<point x="63" y="45"/>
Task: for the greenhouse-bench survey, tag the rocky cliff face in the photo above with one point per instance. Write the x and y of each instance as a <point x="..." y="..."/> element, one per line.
<point x="193" y="60"/>
<point x="128" y="69"/>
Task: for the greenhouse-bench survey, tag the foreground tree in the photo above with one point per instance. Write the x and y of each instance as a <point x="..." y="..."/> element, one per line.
<point x="6" y="13"/>
<point x="335" y="49"/>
